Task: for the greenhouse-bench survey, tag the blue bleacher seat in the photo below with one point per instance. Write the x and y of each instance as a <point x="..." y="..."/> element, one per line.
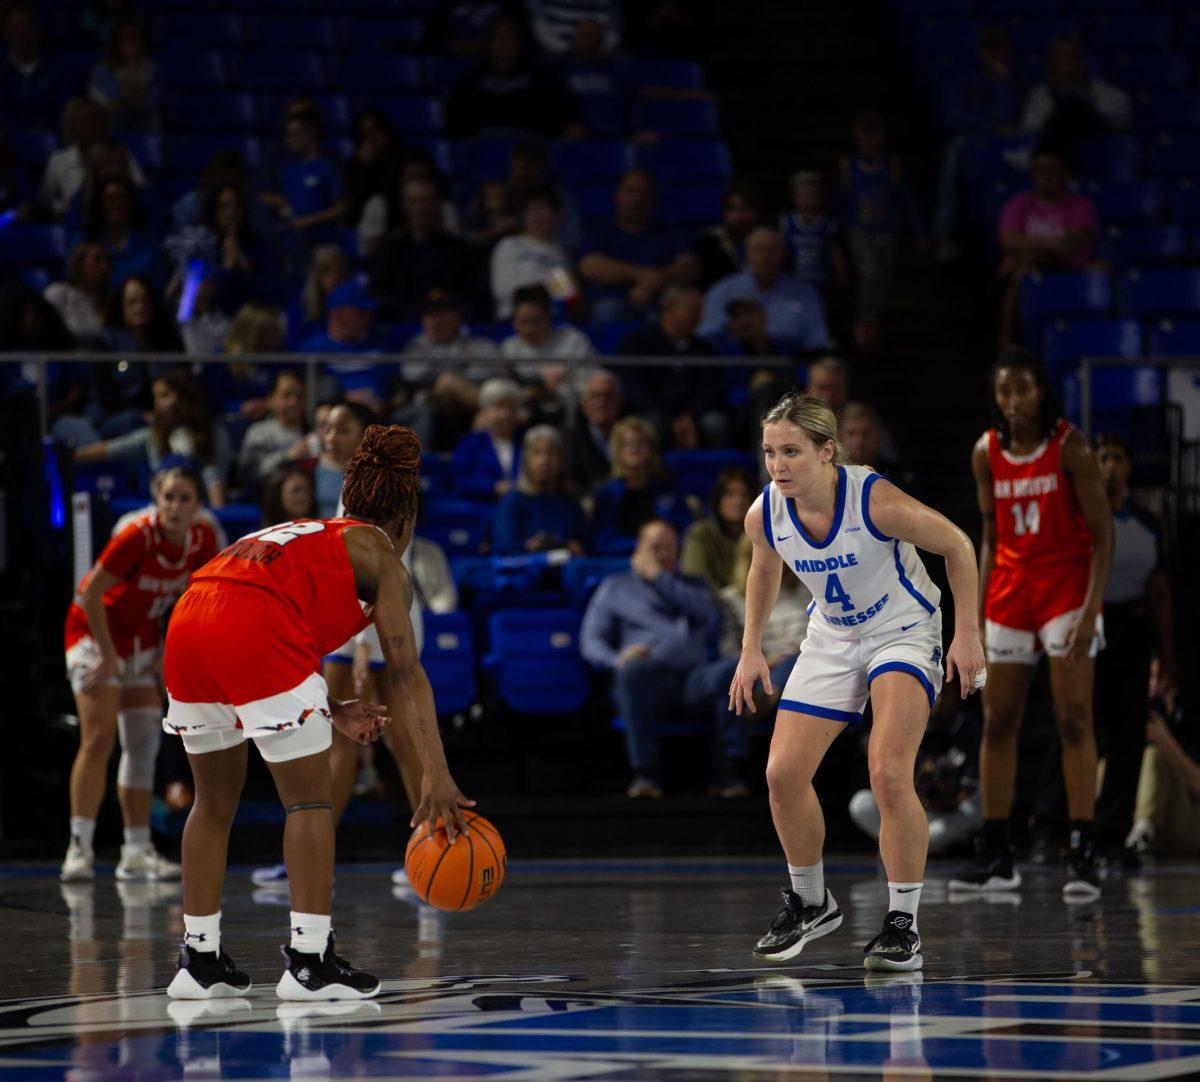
<point x="336" y="112"/>
<point x="1064" y="341"/>
<point x="287" y="72"/>
<point x="36" y="278"/>
<point x="593" y="201"/>
<point x="1128" y="30"/>
<point x="439" y="150"/>
<point x="34" y="245"/>
<point x="448" y="658"/>
<point x="1066" y="294"/>
<point x="533" y="658"/>
<point x="1173" y="338"/>
<point x="436" y="478"/>
<point x="281" y="34"/>
<point x="646" y="71"/>
<point x="146" y="149"/>
<point x="693" y="205"/>
<point x="459" y="526"/>
<point x="203" y="30"/>
<point x="1149" y="69"/>
<point x="676" y="119"/>
<point x="187" y="154"/>
<point x="1119" y="201"/>
<point x="1184" y="202"/>
<point x="477" y="160"/>
<point x="1167" y="110"/>
<point x="997" y="158"/>
<point x="412" y="115"/>
<point x="696" y="471"/>
<point x="685" y="161"/>
<point x="1143" y="245"/>
<point x="1174" y="155"/>
<point x="1150" y="294"/>
<point x="383" y="75"/>
<point x="184" y="67"/>
<point x="578" y="162"/>
<point x="443" y="72"/>
<point x="606" y="337"/>
<point x="583" y="574"/>
<point x="210" y="110"/>
<point x="33" y="145"/>
<point x="384" y="33"/>
<point x="239" y="519"/>
<point x="117" y="480"/>
<point x="1111" y="157"/>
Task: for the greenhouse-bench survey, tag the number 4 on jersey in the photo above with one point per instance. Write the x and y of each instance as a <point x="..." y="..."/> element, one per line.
<point x="835" y="595"/>
<point x="1027" y="519"/>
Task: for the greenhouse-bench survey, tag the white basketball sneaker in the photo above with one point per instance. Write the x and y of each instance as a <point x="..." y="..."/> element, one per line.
<point x="79" y="865"/>
<point x="144" y="862"/>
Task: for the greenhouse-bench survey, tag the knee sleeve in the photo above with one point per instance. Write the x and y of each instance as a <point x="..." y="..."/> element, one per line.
<point x="139" y="730"/>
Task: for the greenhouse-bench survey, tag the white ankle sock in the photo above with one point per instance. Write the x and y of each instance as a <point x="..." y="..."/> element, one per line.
<point x="137" y="836"/>
<point x="905" y="897"/>
<point x="310" y="932"/>
<point x="809" y="882"/>
<point x="83" y="830"/>
<point x="203" y="933"/>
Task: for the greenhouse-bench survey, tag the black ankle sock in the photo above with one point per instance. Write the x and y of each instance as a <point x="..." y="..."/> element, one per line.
<point x="1081" y="835"/>
<point x="995" y="836"/>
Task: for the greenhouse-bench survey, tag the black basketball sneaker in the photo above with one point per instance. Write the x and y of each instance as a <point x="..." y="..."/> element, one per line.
<point x="323" y="976"/>
<point x="797" y="924"/>
<point x="897" y="949"/>
<point x="1083" y="877"/>
<point x="989" y="872"/>
<point x="206" y="975"/>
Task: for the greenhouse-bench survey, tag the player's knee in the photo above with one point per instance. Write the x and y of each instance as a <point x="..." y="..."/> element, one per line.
<point x="1000" y="727"/>
<point x="140" y="730"/>
<point x="786" y="781"/>
<point x="1074" y="723"/>
<point x="97" y="742"/>
<point x="891" y="782"/>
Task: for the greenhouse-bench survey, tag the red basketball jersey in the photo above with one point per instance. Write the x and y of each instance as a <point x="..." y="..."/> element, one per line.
<point x="305" y="564"/>
<point x="1038" y="521"/>
<point x="153" y="573"/>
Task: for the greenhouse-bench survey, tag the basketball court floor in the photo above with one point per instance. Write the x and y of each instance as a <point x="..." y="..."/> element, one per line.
<point x="615" y="970"/>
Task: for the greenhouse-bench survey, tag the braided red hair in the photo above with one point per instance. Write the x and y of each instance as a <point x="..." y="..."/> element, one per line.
<point x="383" y="475"/>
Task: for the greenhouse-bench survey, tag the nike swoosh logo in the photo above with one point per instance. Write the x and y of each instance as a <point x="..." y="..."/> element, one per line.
<point x="783" y="537"/>
<point x="900" y="890"/>
<point x="909" y="627"/>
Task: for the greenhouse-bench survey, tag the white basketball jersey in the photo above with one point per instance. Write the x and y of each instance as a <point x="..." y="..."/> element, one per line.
<point x="862" y="581"/>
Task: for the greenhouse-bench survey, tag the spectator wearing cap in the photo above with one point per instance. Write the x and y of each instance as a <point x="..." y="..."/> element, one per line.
<point x="486" y="460"/>
<point x="350" y="328"/>
<point x="745" y="331"/>
<point x="601" y="404"/>
<point x="720" y="250"/>
<point x="813" y="238"/>
<point x="628" y="261"/>
<point x="795" y="314"/>
<point x="31" y="84"/>
<point x="534" y="256"/>
<point x="421" y="256"/>
<point x="683" y="401"/>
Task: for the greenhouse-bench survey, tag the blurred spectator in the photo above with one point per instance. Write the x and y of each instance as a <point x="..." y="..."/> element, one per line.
<point x="709" y="545"/>
<point x="137" y="320"/>
<point x="180" y="424"/>
<point x="986" y="102"/>
<point x="32" y="85"/>
<point x="327" y="270"/>
<point x="652" y="628"/>
<point x="745" y="333"/>
<point x="115" y="221"/>
<point x="1071" y="104"/>
<point x="1046" y="227"/>
<point x="685" y="402"/>
<point x="288" y="495"/>
<point x="421" y="256"/>
<point x="1138" y="631"/>
<point x="226" y="168"/>
<point x="631" y="259"/>
<point x="529" y="171"/>
<point x="534" y="256"/>
<point x="867" y="442"/>
<point x="373" y="168"/>
<point x="638" y="491"/>
<point x="100" y="16"/>
<point x="594" y="79"/>
<point x="461" y="27"/>
<point x="127" y="82"/>
<point x="256" y="329"/>
<point x="29" y="322"/>
<point x="311" y="201"/>
<point x="83" y="129"/>
<point x="795" y="314"/>
<point x="720" y="250"/>
<point x="82" y="300"/>
<point x="601" y="403"/>
<point x="491" y="216"/>
<point x="1168" y="800"/>
<point x="486" y="460"/>
<point x="879" y="206"/>
<point x="340" y="437"/>
<point x="538" y="515"/>
<point x="280" y="436"/>
<point x="241" y="270"/>
<point x="350" y="328"/>
<point x="384" y="212"/>
<point x="542" y="351"/>
<point x="556" y="25"/>
<point x="508" y="91"/>
<point x="829" y="381"/>
<point x="813" y="238"/>
<point x="433" y="583"/>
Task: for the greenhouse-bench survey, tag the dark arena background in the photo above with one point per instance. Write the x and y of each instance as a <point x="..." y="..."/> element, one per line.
<point x="580" y="247"/>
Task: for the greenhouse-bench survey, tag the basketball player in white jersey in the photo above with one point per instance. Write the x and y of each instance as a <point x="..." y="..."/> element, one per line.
<point x="876" y="631"/>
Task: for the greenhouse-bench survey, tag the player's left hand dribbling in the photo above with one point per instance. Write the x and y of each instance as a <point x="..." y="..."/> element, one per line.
<point x="965" y="658"/>
<point x="361" y="721"/>
<point x="441" y="799"/>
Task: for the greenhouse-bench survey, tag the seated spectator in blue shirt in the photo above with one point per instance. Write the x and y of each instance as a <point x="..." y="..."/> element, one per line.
<point x="795" y="314"/>
<point x="638" y="492"/>
<point x="114" y="219"/>
<point x="127" y="82"/>
<point x="654" y="630"/>
<point x="628" y="261"/>
<point x="486" y="460"/>
<point x="538" y="515"/>
<point x="601" y="96"/>
<point x="32" y="84"/>
<point x="349" y="328"/>
<point x="682" y="401"/>
<point x="813" y="238"/>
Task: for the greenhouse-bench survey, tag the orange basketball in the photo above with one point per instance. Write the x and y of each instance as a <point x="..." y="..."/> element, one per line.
<point x="459" y="876"/>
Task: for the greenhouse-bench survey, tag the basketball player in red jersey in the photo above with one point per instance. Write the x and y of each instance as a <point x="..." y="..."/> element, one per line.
<point x="1043" y="567"/>
<point x="112" y="635"/>
<point x="243" y="661"/>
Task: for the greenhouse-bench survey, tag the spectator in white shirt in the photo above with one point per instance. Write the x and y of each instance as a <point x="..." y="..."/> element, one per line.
<point x="82" y="300"/>
<point x="1071" y="98"/>
<point x="84" y="126"/>
<point x="269" y="442"/>
<point x="533" y="257"/>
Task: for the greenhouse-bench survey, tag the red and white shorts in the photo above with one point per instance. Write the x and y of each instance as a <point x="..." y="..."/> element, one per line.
<point x="238" y="666"/>
<point x="1027" y="612"/>
<point x="140" y="670"/>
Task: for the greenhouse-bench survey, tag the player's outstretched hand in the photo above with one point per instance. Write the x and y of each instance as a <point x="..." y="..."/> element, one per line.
<point x="361" y="721"/>
<point x="441" y="799"/>
<point x="752" y="666"/>
<point x="966" y="660"/>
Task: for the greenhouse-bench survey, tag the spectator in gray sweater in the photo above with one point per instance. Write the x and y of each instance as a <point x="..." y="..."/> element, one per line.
<point x="276" y="438"/>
